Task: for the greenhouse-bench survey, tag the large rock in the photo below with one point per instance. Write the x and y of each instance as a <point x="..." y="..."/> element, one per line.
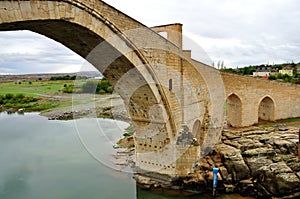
<point x="294" y="164"/>
<point x="256" y="163"/>
<point x="285" y="147"/>
<point x="259" y="152"/>
<point x="233" y="161"/>
<point x="277" y="179"/>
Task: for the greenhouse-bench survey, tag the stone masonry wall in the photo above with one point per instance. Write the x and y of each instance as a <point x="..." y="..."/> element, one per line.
<point x="252" y="91"/>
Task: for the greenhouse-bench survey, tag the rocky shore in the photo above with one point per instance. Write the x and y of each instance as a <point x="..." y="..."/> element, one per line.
<point x="257" y="162"/>
<point x="90" y="106"/>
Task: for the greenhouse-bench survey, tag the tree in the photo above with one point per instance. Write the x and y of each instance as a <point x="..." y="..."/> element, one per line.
<point x="279" y="76"/>
<point x="20" y="96"/>
<point x="68" y="88"/>
<point x="272" y="77"/>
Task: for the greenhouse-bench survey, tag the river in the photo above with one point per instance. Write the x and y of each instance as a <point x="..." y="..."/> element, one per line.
<point x="47" y="159"/>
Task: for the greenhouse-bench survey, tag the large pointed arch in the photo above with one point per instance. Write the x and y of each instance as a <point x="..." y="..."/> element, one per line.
<point x="97" y="32"/>
<point x="266" y="109"/>
<point x="234" y="110"/>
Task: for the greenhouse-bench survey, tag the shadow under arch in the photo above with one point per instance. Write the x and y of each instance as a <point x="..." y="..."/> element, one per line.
<point x="233" y="106"/>
<point x="266" y="109"/>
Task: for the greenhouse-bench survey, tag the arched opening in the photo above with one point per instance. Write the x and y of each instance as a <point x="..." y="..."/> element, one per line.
<point x="198" y="132"/>
<point x="100" y="37"/>
<point x="234" y="110"/>
<point x="266" y="109"/>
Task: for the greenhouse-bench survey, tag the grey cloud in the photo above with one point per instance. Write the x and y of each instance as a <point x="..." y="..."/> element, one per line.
<point x="238" y="32"/>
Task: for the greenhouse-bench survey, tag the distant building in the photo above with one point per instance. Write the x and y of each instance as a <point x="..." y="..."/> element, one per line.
<point x="262" y="72"/>
<point x="289" y="72"/>
<point x="298" y="68"/>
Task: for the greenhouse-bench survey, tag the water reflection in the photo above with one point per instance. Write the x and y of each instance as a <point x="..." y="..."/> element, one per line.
<point x="46" y="159"/>
<point x="14" y="183"/>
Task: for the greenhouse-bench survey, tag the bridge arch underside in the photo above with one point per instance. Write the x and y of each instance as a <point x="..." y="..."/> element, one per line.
<point x="114" y="65"/>
<point x="119" y="62"/>
<point x="234" y="110"/>
<point x="266" y="109"/>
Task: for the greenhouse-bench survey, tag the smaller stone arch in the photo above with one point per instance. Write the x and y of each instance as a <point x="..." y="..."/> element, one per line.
<point x="198" y="132"/>
<point x="266" y="109"/>
<point x="233" y="106"/>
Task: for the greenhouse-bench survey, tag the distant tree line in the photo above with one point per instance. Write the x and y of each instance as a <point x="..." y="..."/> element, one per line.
<point x="241" y="71"/>
<point x="248" y="70"/>
<point x="67" y="77"/>
<point x="295" y="78"/>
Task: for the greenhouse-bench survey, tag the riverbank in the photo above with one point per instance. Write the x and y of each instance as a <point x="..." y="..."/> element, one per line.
<point x="256" y="161"/>
<point x="90" y="106"/>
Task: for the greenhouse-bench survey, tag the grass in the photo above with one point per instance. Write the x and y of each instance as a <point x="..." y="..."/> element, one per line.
<point x="283" y="121"/>
<point x="34" y="89"/>
<point x="40" y="90"/>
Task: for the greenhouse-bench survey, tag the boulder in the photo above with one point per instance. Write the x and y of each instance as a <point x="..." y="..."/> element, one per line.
<point x="246" y="188"/>
<point x="294" y="164"/>
<point x="256" y="163"/>
<point x="277" y="179"/>
<point x="259" y="152"/>
<point x="233" y="161"/>
<point x="286" y="147"/>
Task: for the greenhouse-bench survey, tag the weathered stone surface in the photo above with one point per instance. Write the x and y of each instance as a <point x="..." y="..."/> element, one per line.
<point x="258" y="152"/>
<point x="285" y="146"/>
<point x="248" y="144"/>
<point x="231" y="136"/>
<point x="233" y="161"/>
<point x="246" y="187"/>
<point x="294" y="163"/>
<point x="256" y="163"/>
<point x="277" y="179"/>
<point x="234" y="144"/>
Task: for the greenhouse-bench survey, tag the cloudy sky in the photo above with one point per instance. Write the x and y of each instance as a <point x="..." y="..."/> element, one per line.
<point x="239" y="32"/>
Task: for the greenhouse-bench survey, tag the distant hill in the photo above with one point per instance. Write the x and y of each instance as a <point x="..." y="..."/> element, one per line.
<point x="46" y="76"/>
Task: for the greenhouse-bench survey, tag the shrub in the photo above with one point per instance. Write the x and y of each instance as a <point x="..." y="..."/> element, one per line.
<point x="19" y="96"/>
<point x="68" y="88"/>
<point x="110" y="89"/>
<point x="272" y="77"/>
<point x="9" y="96"/>
<point x="102" y="91"/>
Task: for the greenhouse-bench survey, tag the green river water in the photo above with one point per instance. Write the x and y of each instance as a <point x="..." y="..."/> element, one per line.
<point x="42" y="159"/>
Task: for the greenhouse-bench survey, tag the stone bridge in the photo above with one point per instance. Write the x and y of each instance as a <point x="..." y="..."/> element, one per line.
<point x="175" y="103"/>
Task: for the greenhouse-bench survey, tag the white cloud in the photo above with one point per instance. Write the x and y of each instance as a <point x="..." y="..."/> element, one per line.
<point x="238" y="32"/>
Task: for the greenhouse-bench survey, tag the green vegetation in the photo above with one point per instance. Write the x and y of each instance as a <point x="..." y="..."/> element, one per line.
<point x="283" y="121"/>
<point x="41" y="95"/>
<point x="68" y="88"/>
<point x="274" y="69"/>
<point x="101" y="87"/>
<point x="34" y="89"/>
<point x="286" y="78"/>
<point x="241" y="71"/>
<point x="19" y="100"/>
<point x="67" y="77"/>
